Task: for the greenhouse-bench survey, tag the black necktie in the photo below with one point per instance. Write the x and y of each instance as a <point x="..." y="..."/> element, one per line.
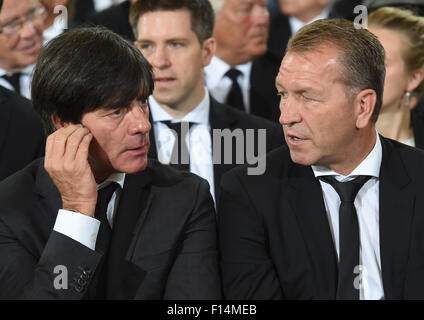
<point x="235" y="97"/>
<point x="348" y="235"/>
<point x="14" y="80"/>
<point x="180" y="160"/>
<point x="103" y="237"/>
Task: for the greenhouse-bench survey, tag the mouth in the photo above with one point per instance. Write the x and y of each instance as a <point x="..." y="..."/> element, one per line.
<point x="30" y="50"/>
<point x="295" y="140"/>
<point x="164" y="80"/>
<point x="138" y="150"/>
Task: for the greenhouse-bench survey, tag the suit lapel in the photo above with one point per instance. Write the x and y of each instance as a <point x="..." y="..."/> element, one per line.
<point x="397" y="197"/>
<point x="220" y="120"/>
<point x="5" y="118"/>
<point x="306" y="200"/>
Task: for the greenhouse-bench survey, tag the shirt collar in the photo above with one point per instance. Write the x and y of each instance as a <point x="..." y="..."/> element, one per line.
<point x="370" y="166"/>
<point x="217" y="68"/>
<point x="199" y="115"/>
<point x="114" y="177"/>
<point x="27" y="70"/>
<point x="296" y="24"/>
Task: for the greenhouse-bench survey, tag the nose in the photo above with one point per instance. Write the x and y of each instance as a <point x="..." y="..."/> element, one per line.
<point x="261" y="15"/>
<point x="139" y="120"/>
<point x="160" y="58"/>
<point x="28" y="30"/>
<point x="289" y="112"/>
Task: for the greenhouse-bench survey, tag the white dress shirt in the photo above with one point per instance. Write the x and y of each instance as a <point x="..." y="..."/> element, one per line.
<point x="100" y="5"/>
<point x="198" y="139"/>
<point x="296" y="24"/>
<point x="82" y="228"/>
<point x="24" y="81"/>
<point x="367" y="208"/>
<point x="219" y="85"/>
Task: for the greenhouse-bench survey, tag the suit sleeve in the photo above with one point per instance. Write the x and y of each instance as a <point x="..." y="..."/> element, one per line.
<point x="195" y="273"/>
<point x="63" y="271"/>
<point x="246" y="267"/>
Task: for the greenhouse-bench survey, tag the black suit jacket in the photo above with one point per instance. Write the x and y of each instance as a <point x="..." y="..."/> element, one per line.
<point x="275" y="238"/>
<point x="280" y="31"/>
<point x="417" y="121"/>
<point x="163" y="242"/>
<point x="21" y="133"/>
<point x="225" y="117"/>
<point x="115" y="18"/>
<point x="264" y="100"/>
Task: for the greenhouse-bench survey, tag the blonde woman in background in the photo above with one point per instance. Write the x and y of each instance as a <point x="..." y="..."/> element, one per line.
<point x="402" y="36"/>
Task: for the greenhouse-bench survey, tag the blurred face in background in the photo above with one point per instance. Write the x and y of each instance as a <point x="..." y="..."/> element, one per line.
<point x="241" y="30"/>
<point x="304" y="10"/>
<point x="21" y="37"/>
<point x="398" y="78"/>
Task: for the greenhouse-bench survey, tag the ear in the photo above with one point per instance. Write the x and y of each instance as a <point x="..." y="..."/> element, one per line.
<point x="364" y="105"/>
<point x="58" y="122"/>
<point x="414" y="80"/>
<point x="208" y="50"/>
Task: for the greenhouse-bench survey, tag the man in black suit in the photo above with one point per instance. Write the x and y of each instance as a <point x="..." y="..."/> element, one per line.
<point x="292" y="16"/>
<point x="339" y="213"/>
<point x="114" y="18"/>
<point x="176" y="37"/>
<point x="21" y="38"/>
<point x="21" y="132"/>
<point x="95" y="219"/>
<point x="242" y="72"/>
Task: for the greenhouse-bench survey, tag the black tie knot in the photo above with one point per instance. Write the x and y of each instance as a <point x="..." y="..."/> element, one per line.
<point x="348" y="190"/>
<point x="233" y="74"/>
<point x="14" y="80"/>
<point x="180" y="156"/>
<point x="103" y="198"/>
<point x="181" y="128"/>
<point x="235" y="95"/>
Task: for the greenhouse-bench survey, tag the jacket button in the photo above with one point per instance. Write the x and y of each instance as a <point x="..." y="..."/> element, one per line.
<point x="81" y="282"/>
<point x="78" y="288"/>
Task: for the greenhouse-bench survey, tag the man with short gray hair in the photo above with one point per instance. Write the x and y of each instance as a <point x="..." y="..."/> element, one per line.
<point x="242" y="71"/>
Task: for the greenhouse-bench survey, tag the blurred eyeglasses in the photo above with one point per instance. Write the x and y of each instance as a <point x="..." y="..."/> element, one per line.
<point x="35" y="16"/>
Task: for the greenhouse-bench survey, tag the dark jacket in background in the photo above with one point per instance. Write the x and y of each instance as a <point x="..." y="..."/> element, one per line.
<point x="22" y="136"/>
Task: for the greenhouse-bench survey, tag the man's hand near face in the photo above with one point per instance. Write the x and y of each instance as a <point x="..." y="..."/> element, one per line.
<point x="66" y="161"/>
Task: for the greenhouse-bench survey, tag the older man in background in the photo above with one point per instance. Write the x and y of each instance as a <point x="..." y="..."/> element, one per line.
<point x="242" y="72"/>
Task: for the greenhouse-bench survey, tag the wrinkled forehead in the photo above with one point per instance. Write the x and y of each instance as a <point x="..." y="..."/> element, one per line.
<point x="316" y="66"/>
<point x="13" y="9"/>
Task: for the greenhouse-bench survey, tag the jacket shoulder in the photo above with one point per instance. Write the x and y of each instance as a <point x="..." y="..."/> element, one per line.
<point x="277" y="162"/>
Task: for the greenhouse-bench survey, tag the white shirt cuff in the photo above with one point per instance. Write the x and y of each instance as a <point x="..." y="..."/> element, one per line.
<point x="77" y="226"/>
